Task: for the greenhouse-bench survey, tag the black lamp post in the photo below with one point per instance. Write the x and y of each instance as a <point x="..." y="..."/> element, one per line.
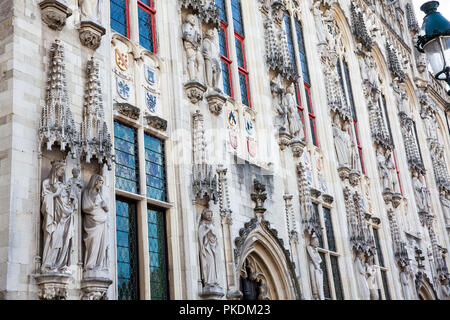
<point x="436" y="41"/>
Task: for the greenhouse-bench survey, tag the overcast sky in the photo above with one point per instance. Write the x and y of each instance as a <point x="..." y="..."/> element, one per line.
<point x="444" y="9"/>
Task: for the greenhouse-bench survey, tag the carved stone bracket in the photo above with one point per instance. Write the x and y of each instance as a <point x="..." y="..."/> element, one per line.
<point x="95" y="288"/>
<point x="91" y="34"/>
<point x="284" y="138"/>
<point x="298" y="147"/>
<point x="216" y="101"/>
<point x="195" y="91"/>
<point x="54" y="13"/>
<point x="259" y="196"/>
<point x="212" y="292"/>
<point x="127" y="110"/>
<point x="53" y="286"/>
<point x="156" y="122"/>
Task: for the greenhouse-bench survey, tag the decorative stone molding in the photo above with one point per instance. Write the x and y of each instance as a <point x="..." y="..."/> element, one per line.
<point x="411" y="147"/>
<point x="216" y="102"/>
<point x="297" y="146"/>
<point x="394" y="65"/>
<point x="290" y="217"/>
<point x="259" y="196"/>
<point x="90" y="34"/>
<point x="56" y="126"/>
<point x="206" y="10"/>
<point x="127" y="110"/>
<point x="359" y="28"/>
<point x="95" y="288"/>
<point x="53" y="286"/>
<point x="54" y="13"/>
<point x="413" y="26"/>
<point x="156" y="122"/>
<point x="195" y="91"/>
<point x="95" y="137"/>
<point x="309" y="220"/>
<point x="327" y="198"/>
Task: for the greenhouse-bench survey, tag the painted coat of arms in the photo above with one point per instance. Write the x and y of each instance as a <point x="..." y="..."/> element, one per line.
<point x="149" y="74"/>
<point x="123" y="88"/>
<point x="121" y="60"/>
<point x="233" y="139"/>
<point x="150" y="101"/>
<point x="251" y="146"/>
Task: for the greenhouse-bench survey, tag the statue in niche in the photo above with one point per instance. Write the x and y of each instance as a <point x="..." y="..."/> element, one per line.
<point x="430" y="124"/>
<point x="90" y="9"/>
<point x="320" y="21"/>
<point x="445" y="202"/>
<point x="207" y="237"/>
<point x="342" y="142"/>
<point x="280" y="108"/>
<point x="315" y="270"/>
<point x="59" y="203"/>
<point x="75" y="183"/>
<point x="290" y="105"/>
<point x="443" y="287"/>
<point x="406" y="279"/>
<point x="361" y="276"/>
<point x="421" y="193"/>
<point x="210" y="56"/>
<point x="386" y="165"/>
<point x="192" y="40"/>
<point x="371" y="278"/>
<point x="95" y="212"/>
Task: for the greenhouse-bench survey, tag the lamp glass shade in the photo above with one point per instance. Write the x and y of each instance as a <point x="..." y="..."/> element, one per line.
<point x="438" y="53"/>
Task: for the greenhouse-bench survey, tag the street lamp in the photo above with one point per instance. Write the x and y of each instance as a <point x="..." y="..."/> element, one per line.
<point x="436" y="41"/>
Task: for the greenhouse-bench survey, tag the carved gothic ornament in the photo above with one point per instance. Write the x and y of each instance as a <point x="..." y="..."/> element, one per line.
<point x="156" y="122"/>
<point x="54" y="13"/>
<point x="251" y="271"/>
<point x="413" y="26"/>
<point x="127" y="110"/>
<point x="206" y="10"/>
<point x="91" y="34"/>
<point x="291" y="222"/>
<point x="195" y="91"/>
<point x="216" y="102"/>
<point x="95" y="136"/>
<point x="359" y="28"/>
<point x="53" y="286"/>
<point x="412" y="148"/>
<point x="259" y="196"/>
<point x="95" y="288"/>
<point x="394" y="65"/>
<point x="224" y="195"/>
<point x="310" y="221"/>
<point x="56" y="126"/>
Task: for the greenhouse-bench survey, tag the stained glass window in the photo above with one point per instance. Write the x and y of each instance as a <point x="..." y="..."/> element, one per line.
<point x="243" y="80"/>
<point x="155" y="168"/>
<point x="301" y="47"/>
<point x="127" y="264"/>
<point x="385" y="285"/>
<point x="237" y="16"/>
<point x="329" y="229"/>
<point x="315" y="212"/>
<point x="125" y="146"/>
<point x="146" y="17"/>
<point x="157" y="249"/>
<point x="287" y="24"/>
<point x="119" y="16"/>
<point x="336" y="278"/>
<point x="326" y="283"/>
<point x="220" y="4"/>
<point x="224" y="52"/>
<point x="377" y="244"/>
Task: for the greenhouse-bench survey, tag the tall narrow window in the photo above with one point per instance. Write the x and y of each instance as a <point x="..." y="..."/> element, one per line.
<point x="224" y="51"/>
<point x="290" y="41"/>
<point x="119" y="17"/>
<point x="240" y="52"/>
<point x="127" y="252"/>
<point x="125" y="146"/>
<point x="154" y="168"/>
<point x="146" y="16"/>
<point x="383" y="290"/>
<point x="157" y="248"/>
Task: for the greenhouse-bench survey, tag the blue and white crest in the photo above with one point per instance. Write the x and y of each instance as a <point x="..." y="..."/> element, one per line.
<point x="123" y="88"/>
<point x="150" y="101"/>
<point x="149" y="74"/>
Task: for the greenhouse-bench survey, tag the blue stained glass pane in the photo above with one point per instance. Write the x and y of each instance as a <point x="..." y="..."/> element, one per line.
<point x="237" y="16"/>
<point x="126" y="169"/>
<point x="287" y="23"/>
<point x="226" y="78"/>
<point x="329" y="229"/>
<point x="119" y="16"/>
<point x="155" y="168"/>
<point x="146" y="29"/>
<point x="223" y="42"/>
<point x="157" y="254"/>
<point x="301" y="47"/>
<point x="146" y="2"/>
<point x="220" y="4"/>
<point x="127" y="263"/>
<point x="244" y="89"/>
<point x="240" y="53"/>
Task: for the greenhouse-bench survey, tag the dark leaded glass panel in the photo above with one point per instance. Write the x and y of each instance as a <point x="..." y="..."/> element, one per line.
<point x="350" y="91"/>
<point x="220" y="4"/>
<point x="315" y="208"/>
<point x="157" y="249"/>
<point x="383" y="98"/>
<point x="125" y="146"/>
<point x="329" y="229"/>
<point x="244" y="88"/>
<point x="226" y="78"/>
<point x="287" y="23"/>
<point x="223" y="42"/>
<point x="326" y="283"/>
<point x="119" y="16"/>
<point x="336" y="278"/>
<point x="377" y="243"/>
<point x="240" y="53"/>
<point x="147" y="2"/>
<point x="301" y="47"/>
<point x="155" y="168"/>
<point x="146" y="29"/>
<point x="237" y="16"/>
<point x="127" y="264"/>
<point x="385" y="285"/>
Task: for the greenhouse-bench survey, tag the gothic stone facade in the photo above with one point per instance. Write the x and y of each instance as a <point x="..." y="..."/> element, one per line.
<point x="226" y="149"/>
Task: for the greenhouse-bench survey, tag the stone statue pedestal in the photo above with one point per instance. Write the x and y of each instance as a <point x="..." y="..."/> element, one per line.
<point x="212" y="293"/>
<point x="297" y="146"/>
<point x="387" y="196"/>
<point x="234" y="294"/>
<point x="53" y="286"/>
<point x="54" y="13"/>
<point x="95" y="288"/>
<point x="354" y="177"/>
<point x="195" y="90"/>
<point x="216" y="101"/>
<point x="91" y="34"/>
<point x="396" y="199"/>
<point x="344" y="172"/>
<point x="284" y="138"/>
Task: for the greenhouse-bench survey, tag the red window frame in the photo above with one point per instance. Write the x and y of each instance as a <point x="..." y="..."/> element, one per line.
<point x="226" y="58"/>
<point x="300" y="108"/>
<point x="398" y="172"/>
<point x="243" y="70"/>
<point x="358" y="144"/>
<point x="151" y="11"/>
<point x="311" y="114"/>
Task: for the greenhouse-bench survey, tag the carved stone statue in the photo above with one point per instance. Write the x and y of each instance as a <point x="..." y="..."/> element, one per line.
<point x="192" y="41"/>
<point x="290" y="104"/>
<point x="315" y="270"/>
<point x="76" y="184"/>
<point x="445" y="202"/>
<point x="386" y="165"/>
<point x="421" y="193"/>
<point x="58" y="206"/>
<point x="406" y="279"/>
<point x="320" y="20"/>
<point x="95" y="212"/>
<point x="361" y="276"/>
<point x="90" y="9"/>
<point x="342" y="142"/>
<point x="280" y="108"/>
<point x="443" y="287"/>
<point x="212" y="63"/>
<point x="207" y="237"/>
<point x="371" y="278"/>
